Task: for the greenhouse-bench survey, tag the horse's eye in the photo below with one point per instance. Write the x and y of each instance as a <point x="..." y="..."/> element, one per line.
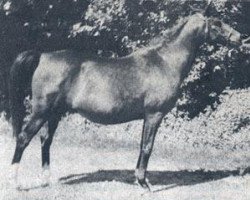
<point x="218" y="23"/>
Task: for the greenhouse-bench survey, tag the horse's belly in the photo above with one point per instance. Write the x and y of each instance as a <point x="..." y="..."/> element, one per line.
<point x="106" y="109"/>
<point x="110" y="116"/>
<point x="102" y="98"/>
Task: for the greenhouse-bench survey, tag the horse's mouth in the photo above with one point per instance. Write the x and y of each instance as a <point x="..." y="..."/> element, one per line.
<point x="245" y="43"/>
<point x="246" y="40"/>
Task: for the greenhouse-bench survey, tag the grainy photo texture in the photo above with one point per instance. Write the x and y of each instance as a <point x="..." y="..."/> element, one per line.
<point x="124" y="99"/>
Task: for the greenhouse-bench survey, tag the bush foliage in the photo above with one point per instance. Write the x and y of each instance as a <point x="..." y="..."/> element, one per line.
<point x="115" y="28"/>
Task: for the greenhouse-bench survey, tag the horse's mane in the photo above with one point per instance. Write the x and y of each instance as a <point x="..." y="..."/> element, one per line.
<point x="169" y="34"/>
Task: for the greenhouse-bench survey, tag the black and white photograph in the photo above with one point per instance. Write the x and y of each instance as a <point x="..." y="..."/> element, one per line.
<point x="124" y="99"/>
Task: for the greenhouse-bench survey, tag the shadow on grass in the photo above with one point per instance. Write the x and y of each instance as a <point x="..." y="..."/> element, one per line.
<point x="166" y="178"/>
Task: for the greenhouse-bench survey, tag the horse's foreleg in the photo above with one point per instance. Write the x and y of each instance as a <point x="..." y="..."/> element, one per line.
<point x="23" y="140"/>
<point x="46" y="141"/>
<point x="151" y="124"/>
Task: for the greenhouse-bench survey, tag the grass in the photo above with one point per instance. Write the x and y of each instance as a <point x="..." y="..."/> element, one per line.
<point x="192" y="159"/>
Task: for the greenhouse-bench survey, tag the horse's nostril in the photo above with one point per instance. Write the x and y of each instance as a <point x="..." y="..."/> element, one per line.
<point x="245" y="38"/>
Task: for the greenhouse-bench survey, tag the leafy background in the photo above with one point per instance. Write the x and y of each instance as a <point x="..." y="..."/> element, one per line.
<point x="115" y="28"/>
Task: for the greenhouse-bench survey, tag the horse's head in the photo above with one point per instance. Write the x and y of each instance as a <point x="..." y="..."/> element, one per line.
<point x="214" y="29"/>
<point x="218" y="31"/>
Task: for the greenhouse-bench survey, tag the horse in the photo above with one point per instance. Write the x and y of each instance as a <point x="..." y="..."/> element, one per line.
<point x="144" y="85"/>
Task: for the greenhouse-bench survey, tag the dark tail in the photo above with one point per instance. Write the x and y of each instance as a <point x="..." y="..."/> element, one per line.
<point x="21" y="74"/>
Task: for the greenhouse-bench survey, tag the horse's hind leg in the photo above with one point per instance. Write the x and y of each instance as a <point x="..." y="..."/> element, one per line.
<point x="46" y="141"/>
<point x="151" y="124"/>
<point x="23" y="139"/>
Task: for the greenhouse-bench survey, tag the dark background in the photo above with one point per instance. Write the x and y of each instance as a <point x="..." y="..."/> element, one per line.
<point x="117" y="28"/>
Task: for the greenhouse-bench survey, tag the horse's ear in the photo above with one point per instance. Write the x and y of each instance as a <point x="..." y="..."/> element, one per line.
<point x="207" y="9"/>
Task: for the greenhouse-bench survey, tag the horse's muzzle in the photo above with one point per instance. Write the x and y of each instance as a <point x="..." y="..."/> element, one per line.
<point x="245" y="42"/>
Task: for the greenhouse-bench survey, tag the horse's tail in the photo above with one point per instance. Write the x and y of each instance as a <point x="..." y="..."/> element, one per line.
<point x="21" y="73"/>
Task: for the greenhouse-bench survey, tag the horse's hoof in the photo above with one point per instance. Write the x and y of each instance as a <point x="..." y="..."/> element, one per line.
<point x="45" y="178"/>
<point x="43" y="185"/>
<point x="13" y="184"/>
<point x="144" y="183"/>
<point x="244" y="171"/>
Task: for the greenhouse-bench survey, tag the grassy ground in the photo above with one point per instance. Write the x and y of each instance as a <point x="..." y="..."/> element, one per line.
<point x="195" y="159"/>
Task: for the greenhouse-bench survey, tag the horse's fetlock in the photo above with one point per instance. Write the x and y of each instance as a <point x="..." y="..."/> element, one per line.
<point x="140" y="174"/>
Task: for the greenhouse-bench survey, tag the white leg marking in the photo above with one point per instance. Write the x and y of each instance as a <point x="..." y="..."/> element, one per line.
<point x="13" y="175"/>
<point x="140" y="173"/>
<point x="46" y="175"/>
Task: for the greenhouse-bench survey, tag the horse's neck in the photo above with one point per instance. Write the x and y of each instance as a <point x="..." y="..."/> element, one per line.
<point x="180" y="54"/>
